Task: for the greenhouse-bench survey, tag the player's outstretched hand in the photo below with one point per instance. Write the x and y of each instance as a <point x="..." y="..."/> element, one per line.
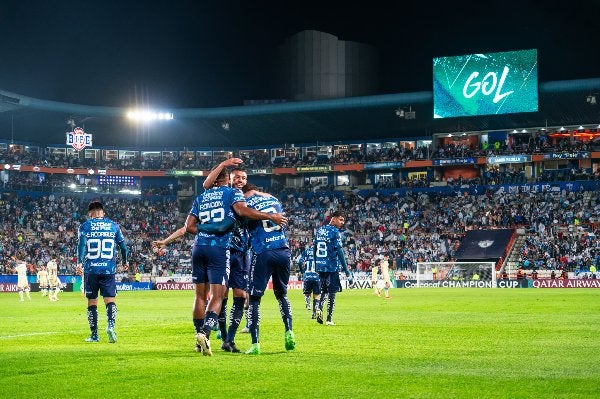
<point x="232" y="162"/>
<point x="279" y="219"/>
<point x="158" y="244"/>
<point x="79" y="270"/>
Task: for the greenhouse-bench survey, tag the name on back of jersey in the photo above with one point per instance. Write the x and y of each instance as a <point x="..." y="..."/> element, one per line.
<point x="260" y="203"/>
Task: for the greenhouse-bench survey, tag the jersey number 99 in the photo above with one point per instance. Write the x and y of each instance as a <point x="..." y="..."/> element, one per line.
<point x="100" y="248"/>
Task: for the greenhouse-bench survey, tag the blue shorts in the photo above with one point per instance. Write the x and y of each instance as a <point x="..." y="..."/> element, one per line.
<point x="311" y="287"/>
<point x="330" y="282"/>
<point x="238" y="274"/>
<point x="210" y="264"/>
<point x="273" y="263"/>
<point x="105" y="283"/>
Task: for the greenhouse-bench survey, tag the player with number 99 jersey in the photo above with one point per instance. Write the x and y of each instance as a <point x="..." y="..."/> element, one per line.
<point x="213" y="206"/>
<point x="98" y="239"/>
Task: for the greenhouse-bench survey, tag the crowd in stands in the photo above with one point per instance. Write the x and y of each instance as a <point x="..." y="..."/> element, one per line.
<point x="166" y="160"/>
<point x="561" y="227"/>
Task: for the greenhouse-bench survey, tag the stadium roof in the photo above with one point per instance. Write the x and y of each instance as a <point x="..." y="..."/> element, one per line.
<point x="26" y="119"/>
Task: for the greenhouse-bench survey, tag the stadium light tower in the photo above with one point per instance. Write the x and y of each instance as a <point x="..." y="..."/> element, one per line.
<point x="139" y="115"/>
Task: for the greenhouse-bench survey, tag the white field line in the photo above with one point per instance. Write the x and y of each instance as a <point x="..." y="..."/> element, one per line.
<point x="26" y="335"/>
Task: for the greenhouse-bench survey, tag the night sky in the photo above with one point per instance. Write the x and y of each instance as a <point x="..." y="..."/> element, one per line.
<point x="180" y="54"/>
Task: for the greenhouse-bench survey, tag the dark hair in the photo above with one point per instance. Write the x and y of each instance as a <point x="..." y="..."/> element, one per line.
<point x="337" y="214"/>
<point x="249" y="187"/>
<point x="238" y="169"/>
<point x="94" y="205"/>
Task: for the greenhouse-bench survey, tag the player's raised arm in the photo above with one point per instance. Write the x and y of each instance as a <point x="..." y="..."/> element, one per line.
<point x="180" y="232"/>
<point x="212" y="176"/>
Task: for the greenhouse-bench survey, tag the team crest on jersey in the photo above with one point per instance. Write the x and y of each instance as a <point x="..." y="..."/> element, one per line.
<point x="485" y="243"/>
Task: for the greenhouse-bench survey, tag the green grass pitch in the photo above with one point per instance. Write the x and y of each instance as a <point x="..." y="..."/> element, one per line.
<point x="422" y="343"/>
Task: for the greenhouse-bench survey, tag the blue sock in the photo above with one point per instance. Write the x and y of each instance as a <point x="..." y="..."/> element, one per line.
<point x="330" y="306"/>
<point x="223" y="320"/>
<point x="254" y="318"/>
<point x="111" y="314"/>
<point x="285" y="308"/>
<point x="198" y="323"/>
<point x="210" y="321"/>
<point x="92" y="315"/>
<point x="235" y="318"/>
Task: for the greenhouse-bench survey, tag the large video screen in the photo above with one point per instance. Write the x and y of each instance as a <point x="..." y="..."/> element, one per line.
<point x="485" y="84"/>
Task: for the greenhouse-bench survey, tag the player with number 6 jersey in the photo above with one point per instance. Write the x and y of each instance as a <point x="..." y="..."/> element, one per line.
<point x="271" y="260"/>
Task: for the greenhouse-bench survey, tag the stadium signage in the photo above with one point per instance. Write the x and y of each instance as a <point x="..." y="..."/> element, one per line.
<point x="454" y="161"/>
<point x="568" y="155"/>
<point x="264" y="171"/>
<point x="509" y="159"/>
<point x="8" y="288"/>
<point x="184" y="173"/>
<point x="323" y="168"/>
<point x="384" y="165"/>
<point x="79" y="139"/>
<point x="449" y="284"/>
<point x="175" y="286"/>
<point x="134" y="286"/>
<point x="583" y="283"/>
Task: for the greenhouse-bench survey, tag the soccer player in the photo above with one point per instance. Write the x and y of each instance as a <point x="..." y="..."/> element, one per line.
<point x="374" y="278"/>
<point x="385" y="275"/>
<point x="22" y="283"/>
<point x="99" y="238"/>
<point x="329" y="256"/>
<point x="42" y="279"/>
<point x="271" y="260"/>
<point x="53" y="282"/>
<point x="212" y="218"/>
<point x="310" y="279"/>
<point x="238" y="271"/>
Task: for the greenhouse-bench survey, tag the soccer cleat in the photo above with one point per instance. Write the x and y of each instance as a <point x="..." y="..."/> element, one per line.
<point x="92" y="338"/>
<point x="290" y="341"/>
<point x="204" y="343"/>
<point x="219" y="334"/>
<point x="319" y="316"/>
<point x="230" y="347"/>
<point x="388" y="297"/>
<point x="198" y="348"/>
<point x="112" y="336"/>
<point x="314" y="316"/>
<point x="254" y="350"/>
<point x="245" y="330"/>
<point x="330" y="323"/>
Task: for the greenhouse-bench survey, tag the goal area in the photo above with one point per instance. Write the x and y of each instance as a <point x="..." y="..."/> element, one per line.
<point x="456" y="274"/>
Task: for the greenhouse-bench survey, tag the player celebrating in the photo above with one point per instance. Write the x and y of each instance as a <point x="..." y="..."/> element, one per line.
<point x="211" y="218"/>
<point x="97" y="259"/>
<point x="238" y="270"/>
<point x="22" y="283"/>
<point x="311" y="282"/>
<point x="53" y="282"/>
<point x="329" y="255"/>
<point x="42" y="280"/>
<point x="272" y="259"/>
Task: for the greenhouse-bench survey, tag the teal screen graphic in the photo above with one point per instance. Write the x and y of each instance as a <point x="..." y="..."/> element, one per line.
<point x="485" y="84"/>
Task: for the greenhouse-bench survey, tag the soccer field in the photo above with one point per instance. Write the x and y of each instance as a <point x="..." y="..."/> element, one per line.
<point x="422" y="343"/>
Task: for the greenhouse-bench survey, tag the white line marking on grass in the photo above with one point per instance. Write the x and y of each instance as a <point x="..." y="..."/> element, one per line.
<point x="27" y="335"/>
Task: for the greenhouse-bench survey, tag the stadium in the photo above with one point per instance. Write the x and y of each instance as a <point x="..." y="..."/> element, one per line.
<point x="487" y="210"/>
